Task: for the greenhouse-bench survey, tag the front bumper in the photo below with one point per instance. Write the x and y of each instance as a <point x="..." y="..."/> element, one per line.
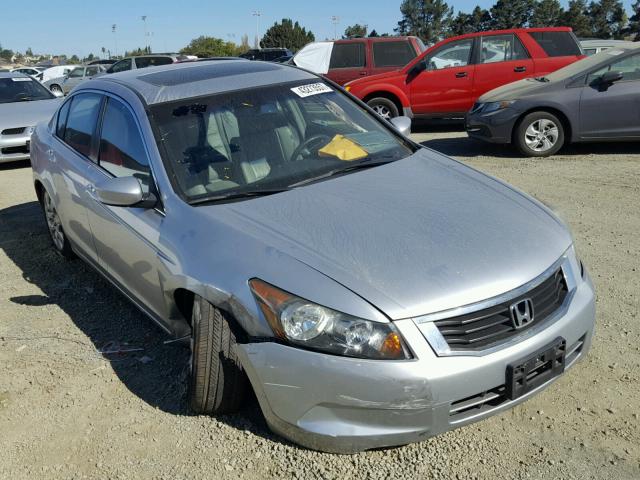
<point x="15" y="147"/>
<point x="346" y="405"/>
<point x="493" y="127"/>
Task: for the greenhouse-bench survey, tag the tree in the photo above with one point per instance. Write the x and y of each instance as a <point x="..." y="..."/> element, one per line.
<point x="28" y="52"/>
<point x="244" y="46"/>
<point x="287" y="35"/>
<point x="427" y="19"/>
<point x="73" y="59"/>
<point x="634" y="22"/>
<point x="6" y="54"/>
<point x="103" y="50"/>
<point x="355" y="31"/>
<point x="374" y="34"/>
<point x="138" y="51"/>
<point x="511" y="14"/>
<point x="576" y="17"/>
<point x="547" y="13"/>
<point x="608" y="18"/>
<point x="476" y="21"/>
<point x="209" y="47"/>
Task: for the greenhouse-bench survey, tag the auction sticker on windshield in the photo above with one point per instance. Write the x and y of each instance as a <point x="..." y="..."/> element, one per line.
<point x="312" y="89"/>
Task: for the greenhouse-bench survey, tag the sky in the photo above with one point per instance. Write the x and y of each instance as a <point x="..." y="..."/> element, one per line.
<point x="81" y="27"/>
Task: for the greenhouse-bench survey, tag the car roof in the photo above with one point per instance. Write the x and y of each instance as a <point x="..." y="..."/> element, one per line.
<point x="178" y="81"/>
<point x="13" y="75"/>
<point x="595" y="42"/>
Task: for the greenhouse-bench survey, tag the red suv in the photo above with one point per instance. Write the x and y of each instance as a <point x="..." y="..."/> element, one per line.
<point x="446" y="80"/>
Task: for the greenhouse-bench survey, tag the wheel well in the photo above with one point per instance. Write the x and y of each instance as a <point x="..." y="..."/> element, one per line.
<point x="566" y="124"/>
<point x="39" y="190"/>
<point x="388" y="96"/>
<point x="184" y="303"/>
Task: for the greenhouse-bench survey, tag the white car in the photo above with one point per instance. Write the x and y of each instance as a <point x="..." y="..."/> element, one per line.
<point x="57" y="71"/>
<point x="591" y="47"/>
<point x="31" y="71"/>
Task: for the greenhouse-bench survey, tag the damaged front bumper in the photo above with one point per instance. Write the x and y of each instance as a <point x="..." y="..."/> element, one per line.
<point x="345" y="405"/>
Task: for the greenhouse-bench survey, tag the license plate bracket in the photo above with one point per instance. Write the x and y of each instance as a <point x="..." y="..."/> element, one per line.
<point x="526" y="375"/>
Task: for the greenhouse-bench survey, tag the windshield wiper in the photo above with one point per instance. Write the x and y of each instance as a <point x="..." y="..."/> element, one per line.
<point x="236" y="195"/>
<point x="339" y="171"/>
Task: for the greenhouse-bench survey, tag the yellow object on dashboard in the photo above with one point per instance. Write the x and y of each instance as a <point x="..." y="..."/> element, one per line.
<point x="343" y="148"/>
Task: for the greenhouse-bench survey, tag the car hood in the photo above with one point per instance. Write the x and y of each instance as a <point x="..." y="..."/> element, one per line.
<point x="27" y="114"/>
<point x="416" y="236"/>
<point x="517" y="90"/>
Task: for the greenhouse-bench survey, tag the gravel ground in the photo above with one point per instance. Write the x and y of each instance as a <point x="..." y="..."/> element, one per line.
<point x="67" y="412"/>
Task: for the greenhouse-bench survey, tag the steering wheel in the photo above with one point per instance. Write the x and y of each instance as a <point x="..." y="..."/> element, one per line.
<point x="309" y="143"/>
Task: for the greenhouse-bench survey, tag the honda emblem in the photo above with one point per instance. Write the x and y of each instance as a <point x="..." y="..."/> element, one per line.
<point x="522" y="313"/>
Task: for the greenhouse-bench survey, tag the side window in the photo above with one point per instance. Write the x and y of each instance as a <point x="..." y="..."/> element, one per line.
<point x="92" y="71"/>
<point x="81" y="122"/>
<point x="76" y="73"/>
<point x="453" y="54"/>
<point x="501" y="48"/>
<point x="122" y="150"/>
<point x="62" y="119"/>
<point x="629" y="67"/>
<point x="142" y="62"/>
<point x="392" y="54"/>
<point x="557" y="44"/>
<point x="121" y="66"/>
<point x="347" y="55"/>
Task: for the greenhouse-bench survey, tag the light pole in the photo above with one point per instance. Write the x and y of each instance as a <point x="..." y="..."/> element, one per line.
<point x="335" y="20"/>
<point x="115" y="37"/>
<point x="257" y="14"/>
<point x="146" y="40"/>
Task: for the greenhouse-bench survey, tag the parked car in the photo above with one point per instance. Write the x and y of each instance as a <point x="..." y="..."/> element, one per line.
<point x="102" y="61"/>
<point x="591" y="100"/>
<point x="345" y="60"/>
<point x="594" y="45"/>
<point x="31" y="71"/>
<point x="65" y="84"/>
<point x="266" y="54"/>
<point x="283" y="59"/>
<point x="372" y="292"/>
<point x="447" y="79"/>
<point x="56" y="72"/>
<point x="144" y="61"/>
<point x="23" y="103"/>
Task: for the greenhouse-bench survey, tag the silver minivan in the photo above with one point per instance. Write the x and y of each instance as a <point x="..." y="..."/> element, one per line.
<point x="372" y="292"/>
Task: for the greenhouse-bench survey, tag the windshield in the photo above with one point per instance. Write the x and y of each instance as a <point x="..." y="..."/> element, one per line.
<point x="584" y="65"/>
<point x="268" y="139"/>
<point x="22" y="89"/>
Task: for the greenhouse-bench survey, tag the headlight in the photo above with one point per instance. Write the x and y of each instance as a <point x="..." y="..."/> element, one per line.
<point x="300" y="322"/>
<point x="494" y="106"/>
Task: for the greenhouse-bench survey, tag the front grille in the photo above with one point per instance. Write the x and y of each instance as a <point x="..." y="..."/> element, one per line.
<point x="484" y="328"/>
<point x="13" y="131"/>
<point x="13" y="150"/>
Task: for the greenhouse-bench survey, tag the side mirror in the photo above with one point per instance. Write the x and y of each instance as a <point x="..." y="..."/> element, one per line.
<point x="609" y="78"/>
<point x="123" y="192"/>
<point x="57" y="93"/>
<point x="402" y="125"/>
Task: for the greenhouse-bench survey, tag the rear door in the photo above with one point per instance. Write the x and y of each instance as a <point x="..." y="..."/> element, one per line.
<point x="348" y="62"/>
<point x="558" y="49"/>
<point x="389" y="55"/>
<point x="501" y="59"/>
<point x="446" y="84"/>
<point x="614" y="112"/>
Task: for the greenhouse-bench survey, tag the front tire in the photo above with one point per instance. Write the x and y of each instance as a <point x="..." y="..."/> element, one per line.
<point x="217" y="382"/>
<point x="539" y="134"/>
<point x="56" y="232"/>
<point x="384" y="107"/>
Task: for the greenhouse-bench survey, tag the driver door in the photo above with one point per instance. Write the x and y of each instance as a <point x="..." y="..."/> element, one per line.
<point x="613" y="112"/>
<point x="446" y="84"/>
<point x="73" y="79"/>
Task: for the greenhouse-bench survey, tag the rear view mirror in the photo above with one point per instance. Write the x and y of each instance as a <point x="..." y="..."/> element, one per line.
<point x="123" y="192"/>
<point x="402" y="125"/>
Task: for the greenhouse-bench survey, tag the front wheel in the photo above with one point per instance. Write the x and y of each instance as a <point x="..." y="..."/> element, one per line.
<point x="384" y="107"/>
<point x="217" y="383"/>
<point x="539" y="134"/>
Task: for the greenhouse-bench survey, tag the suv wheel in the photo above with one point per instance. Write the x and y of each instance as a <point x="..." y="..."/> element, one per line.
<point x="58" y="237"/>
<point x="217" y="381"/>
<point x="539" y="134"/>
<point x="384" y="107"/>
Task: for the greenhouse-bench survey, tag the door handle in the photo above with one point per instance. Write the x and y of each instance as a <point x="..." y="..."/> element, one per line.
<point x="462" y="74"/>
<point x="363" y="73"/>
<point x="520" y="69"/>
<point x="52" y="157"/>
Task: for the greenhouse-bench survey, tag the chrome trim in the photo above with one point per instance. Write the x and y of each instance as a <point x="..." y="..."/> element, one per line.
<point x="442" y="349"/>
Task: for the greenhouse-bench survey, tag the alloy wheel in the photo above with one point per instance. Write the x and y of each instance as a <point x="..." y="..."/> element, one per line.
<point x="383" y="111"/>
<point x="53" y="222"/>
<point x="542" y="135"/>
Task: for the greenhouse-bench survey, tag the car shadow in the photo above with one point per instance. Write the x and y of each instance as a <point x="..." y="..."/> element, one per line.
<point x="154" y="371"/>
<point x="14" y="165"/>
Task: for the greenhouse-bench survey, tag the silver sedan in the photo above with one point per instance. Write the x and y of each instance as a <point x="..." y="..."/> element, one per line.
<point x="370" y="291"/>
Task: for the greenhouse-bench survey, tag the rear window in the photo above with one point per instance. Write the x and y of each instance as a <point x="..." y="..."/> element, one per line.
<point x="392" y="54"/>
<point x="144" y="62"/>
<point x="347" y="55"/>
<point x="557" y="44"/>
